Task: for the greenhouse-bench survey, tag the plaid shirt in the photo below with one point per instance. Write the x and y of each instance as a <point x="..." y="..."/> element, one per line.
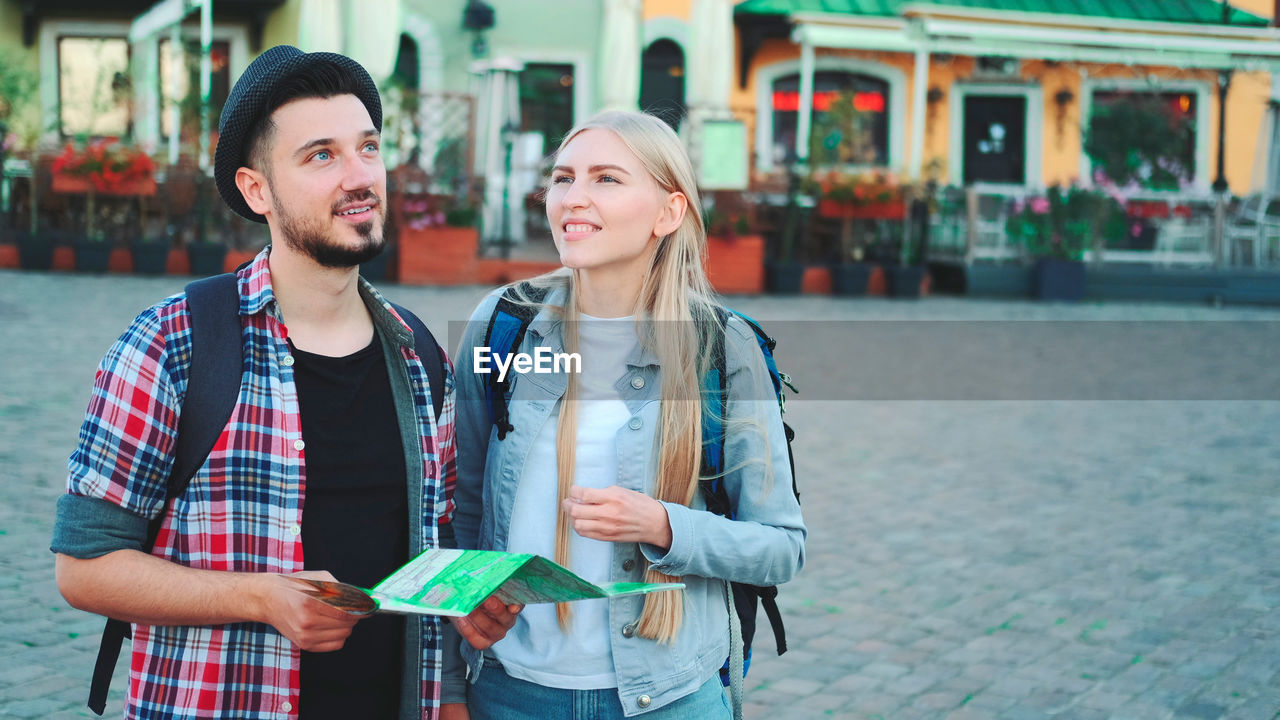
<point x="243" y="509"/>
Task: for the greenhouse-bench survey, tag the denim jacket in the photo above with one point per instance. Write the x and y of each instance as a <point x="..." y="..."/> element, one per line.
<point x="765" y="546"/>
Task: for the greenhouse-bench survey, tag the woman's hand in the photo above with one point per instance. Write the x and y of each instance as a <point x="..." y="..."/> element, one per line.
<point x="488" y="623"/>
<point x="616" y="514"/>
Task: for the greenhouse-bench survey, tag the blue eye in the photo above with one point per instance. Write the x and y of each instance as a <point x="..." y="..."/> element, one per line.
<point x="561" y="179"/>
<point x="608" y="178"/>
<point x="371" y="146"/>
<point x="322" y="155"/>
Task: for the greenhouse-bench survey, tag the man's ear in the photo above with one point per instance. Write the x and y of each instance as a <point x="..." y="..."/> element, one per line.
<point x="672" y="214"/>
<point x="255" y="189"/>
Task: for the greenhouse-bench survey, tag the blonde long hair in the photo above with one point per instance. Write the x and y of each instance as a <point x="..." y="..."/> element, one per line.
<point x="675" y="301"/>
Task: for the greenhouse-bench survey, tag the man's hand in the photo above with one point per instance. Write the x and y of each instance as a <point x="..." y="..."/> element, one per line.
<point x="488" y="623"/>
<point x="616" y="514"/>
<point x="311" y="624"/>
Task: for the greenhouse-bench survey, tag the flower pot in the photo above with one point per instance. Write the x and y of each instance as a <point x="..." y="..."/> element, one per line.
<point x="150" y="257"/>
<point x="784" y="278"/>
<point x="1055" y="279"/>
<point x="904" y="280"/>
<point x="206" y="258"/>
<point x="35" y="251"/>
<point x="92" y="256"/>
<point x="850" y="279"/>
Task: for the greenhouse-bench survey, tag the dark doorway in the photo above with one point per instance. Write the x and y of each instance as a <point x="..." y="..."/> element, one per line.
<point x="662" y="82"/>
<point x="995" y="139"/>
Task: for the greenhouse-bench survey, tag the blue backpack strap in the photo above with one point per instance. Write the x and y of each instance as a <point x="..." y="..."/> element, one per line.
<point x="428" y="351"/>
<point x="507" y="326"/>
<point x="216" y="366"/>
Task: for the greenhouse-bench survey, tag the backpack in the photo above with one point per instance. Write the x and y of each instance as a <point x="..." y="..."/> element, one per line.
<point x="505" y="332"/>
<point x="213" y="385"/>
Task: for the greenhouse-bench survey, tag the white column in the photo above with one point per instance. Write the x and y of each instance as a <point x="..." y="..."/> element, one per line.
<point x="920" y="93"/>
<point x="176" y="69"/>
<point x="206" y="78"/>
<point x="806" y="100"/>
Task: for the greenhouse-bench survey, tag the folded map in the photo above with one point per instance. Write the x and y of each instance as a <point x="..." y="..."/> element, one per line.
<point x="455" y="582"/>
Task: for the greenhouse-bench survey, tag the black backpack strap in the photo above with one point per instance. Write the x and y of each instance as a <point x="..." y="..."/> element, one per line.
<point x="216" y="364"/>
<point x="715" y="402"/>
<point x="428" y="350"/>
<point x="505" y="332"/>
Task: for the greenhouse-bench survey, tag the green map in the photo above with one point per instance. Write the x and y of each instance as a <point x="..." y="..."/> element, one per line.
<point x="455" y="582"/>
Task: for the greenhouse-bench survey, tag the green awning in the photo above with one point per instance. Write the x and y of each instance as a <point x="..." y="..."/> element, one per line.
<point x="1176" y="11"/>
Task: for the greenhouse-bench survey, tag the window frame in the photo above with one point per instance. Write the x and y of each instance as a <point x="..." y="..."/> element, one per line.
<point x="1200" y="88"/>
<point x="51" y="34"/>
<point x="767" y="75"/>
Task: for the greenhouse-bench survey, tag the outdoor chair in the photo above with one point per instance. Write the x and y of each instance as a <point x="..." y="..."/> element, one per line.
<point x="1255" y="226"/>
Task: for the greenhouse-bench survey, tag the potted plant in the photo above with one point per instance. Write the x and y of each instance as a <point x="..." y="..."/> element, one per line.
<point x="20" y="130"/>
<point x="438" y="242"/>
<point x="735" y="252"/>
<point x="101" y="167"/>
<point x="785" y="269"/>
<point x="1056" y="229"/>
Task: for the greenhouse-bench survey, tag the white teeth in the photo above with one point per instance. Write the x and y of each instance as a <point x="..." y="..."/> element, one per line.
<point x="579" y="227"/>
<point x="353" y="212"/>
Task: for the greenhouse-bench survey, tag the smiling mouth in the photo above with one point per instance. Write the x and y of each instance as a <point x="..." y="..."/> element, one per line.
<point x="356" y="212"/>
<point x="580" y="228"/>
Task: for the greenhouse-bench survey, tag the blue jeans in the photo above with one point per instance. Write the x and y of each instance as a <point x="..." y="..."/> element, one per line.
<point x="498" y="696"/>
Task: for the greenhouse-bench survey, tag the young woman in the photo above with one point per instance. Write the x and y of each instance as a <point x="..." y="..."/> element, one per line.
<point x="599" y="467"/>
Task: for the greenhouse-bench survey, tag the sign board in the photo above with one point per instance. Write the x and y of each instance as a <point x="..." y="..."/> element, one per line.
<point x="724" y="155"/>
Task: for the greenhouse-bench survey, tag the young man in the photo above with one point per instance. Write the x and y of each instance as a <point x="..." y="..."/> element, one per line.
<point x="333" y="463"/>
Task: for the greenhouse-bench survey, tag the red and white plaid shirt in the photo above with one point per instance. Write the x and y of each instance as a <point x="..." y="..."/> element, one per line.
<point x="243" y="509"/>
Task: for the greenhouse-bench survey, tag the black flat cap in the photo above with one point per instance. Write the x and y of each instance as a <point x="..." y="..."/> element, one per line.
<point x="247" y="103"/>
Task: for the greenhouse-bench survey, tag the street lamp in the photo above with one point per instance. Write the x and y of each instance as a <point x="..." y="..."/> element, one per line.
<point x="1224" y="83"/>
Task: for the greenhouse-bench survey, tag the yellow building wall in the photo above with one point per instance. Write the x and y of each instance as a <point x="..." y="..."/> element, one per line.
<point x="675" y="8"/>
<point x="281" y="27"/>
<point x="1263" y="8"/>
<point x="1062" y="137"/>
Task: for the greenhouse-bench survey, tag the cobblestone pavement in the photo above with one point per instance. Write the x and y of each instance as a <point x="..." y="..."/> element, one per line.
<point x="966" y="559"/>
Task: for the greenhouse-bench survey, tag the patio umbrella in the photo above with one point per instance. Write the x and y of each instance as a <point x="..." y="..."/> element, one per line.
<point x="373" y="35"/>
<point x="320" y="26"/>
<point x="620" y="55"/>
<point x="711" y="56"/>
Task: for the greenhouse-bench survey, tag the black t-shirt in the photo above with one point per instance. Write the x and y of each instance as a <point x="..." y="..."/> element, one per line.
<point x="355" y="523"/>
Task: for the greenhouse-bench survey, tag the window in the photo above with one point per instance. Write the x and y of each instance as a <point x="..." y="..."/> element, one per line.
<point x="662" y="82"/>
<point x="189" y="86"/>
<point x="546" y="100"/>
<point x="850" y="121"/>
<point x="1147" y="137"/>
<point x="94" y="91"/>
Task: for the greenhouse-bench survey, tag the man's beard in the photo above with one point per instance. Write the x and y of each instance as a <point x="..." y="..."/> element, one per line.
<point x="311" y="238"/>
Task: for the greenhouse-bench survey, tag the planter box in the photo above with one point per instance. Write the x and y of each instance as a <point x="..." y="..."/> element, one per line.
<point x="35" y="252"/>
<point x="784" y="278"/>
<point x="736" y="265"/>
<point x="206" y="258"/>
<point x="905" y="281"/>
<point x="74" y="184"/>
<point x="1059" y="280"/>
<point x="836" y="210"/>
<point x="1011" y="281"/>
<point x="850" y="279"/>
<point x="150" y="258"/>
<point x="439" y="256"/>
<point x="92" y="256"/>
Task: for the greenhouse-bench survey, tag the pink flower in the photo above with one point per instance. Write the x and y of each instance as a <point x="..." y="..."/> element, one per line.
<point x="1039" y="205"/>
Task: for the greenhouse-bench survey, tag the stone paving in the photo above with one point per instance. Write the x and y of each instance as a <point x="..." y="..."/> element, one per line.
<point x="966" y="559"/>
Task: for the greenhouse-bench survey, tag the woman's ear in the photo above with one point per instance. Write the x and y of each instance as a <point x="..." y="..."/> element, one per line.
<point x="255" y="189"/>
<point x="672" y="214"/>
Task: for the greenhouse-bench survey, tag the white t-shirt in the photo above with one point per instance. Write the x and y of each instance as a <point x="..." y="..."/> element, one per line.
<point x="536" y="649"/>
